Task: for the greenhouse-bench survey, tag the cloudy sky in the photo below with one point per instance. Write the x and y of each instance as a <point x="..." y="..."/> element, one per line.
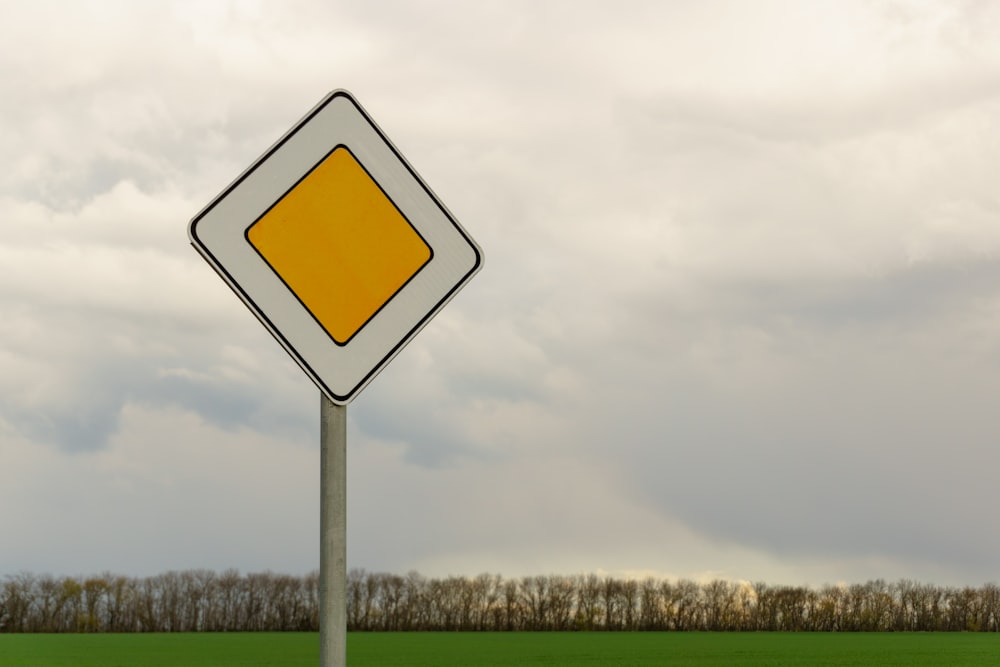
<point x="739" y="316"/>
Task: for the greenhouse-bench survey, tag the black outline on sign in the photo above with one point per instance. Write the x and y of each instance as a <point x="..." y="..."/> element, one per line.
<point x="246" y="235"/>
<point x="259" y="314"/>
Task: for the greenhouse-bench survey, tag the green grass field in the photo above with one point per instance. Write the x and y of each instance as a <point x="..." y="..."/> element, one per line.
<point x="495" y="649"/>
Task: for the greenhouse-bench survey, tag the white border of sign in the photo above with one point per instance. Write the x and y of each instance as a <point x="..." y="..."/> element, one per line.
<point x="218" y="232"/>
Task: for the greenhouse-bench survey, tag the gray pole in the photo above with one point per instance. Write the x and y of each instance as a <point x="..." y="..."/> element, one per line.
<point x="332" y="534"/>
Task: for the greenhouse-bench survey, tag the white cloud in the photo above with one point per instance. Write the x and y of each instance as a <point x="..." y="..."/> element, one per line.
<point x="738" y="308"/>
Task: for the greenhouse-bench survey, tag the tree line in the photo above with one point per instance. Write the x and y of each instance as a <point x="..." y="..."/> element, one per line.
<point x="206" y="601"/>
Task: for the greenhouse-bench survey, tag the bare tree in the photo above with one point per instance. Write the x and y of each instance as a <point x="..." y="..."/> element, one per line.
<point x="535" y="594"/>
<point x="720" y="603"/>
<point x="651" y="615"/>
<point x="687" y="604"/>
<point x="201" y="600"/>
<point x="588" y="602"/>
<point x="18" y="596"/>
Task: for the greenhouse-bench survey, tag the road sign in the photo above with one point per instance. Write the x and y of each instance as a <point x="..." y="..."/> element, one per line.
<point x="337" y="246"/>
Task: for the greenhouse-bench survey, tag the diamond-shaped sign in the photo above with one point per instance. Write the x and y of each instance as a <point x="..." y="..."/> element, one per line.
<point x="336" y="244"/>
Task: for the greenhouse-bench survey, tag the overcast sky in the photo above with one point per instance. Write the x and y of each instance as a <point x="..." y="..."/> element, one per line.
<point x="739" y="316"/>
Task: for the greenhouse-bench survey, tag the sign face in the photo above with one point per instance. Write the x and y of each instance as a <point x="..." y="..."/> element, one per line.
<point x="337" y="246"/>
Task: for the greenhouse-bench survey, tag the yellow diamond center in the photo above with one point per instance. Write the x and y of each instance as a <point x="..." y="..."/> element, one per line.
<point x="339" y="244"/>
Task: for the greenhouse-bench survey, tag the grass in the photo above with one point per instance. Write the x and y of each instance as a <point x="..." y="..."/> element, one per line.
<point x="160" y="650"/>
<point x="496" y="649"/>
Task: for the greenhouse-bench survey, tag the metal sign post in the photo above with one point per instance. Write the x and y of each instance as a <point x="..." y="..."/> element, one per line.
<point x="332" y="534"/>
<point x="344" y="254"/>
